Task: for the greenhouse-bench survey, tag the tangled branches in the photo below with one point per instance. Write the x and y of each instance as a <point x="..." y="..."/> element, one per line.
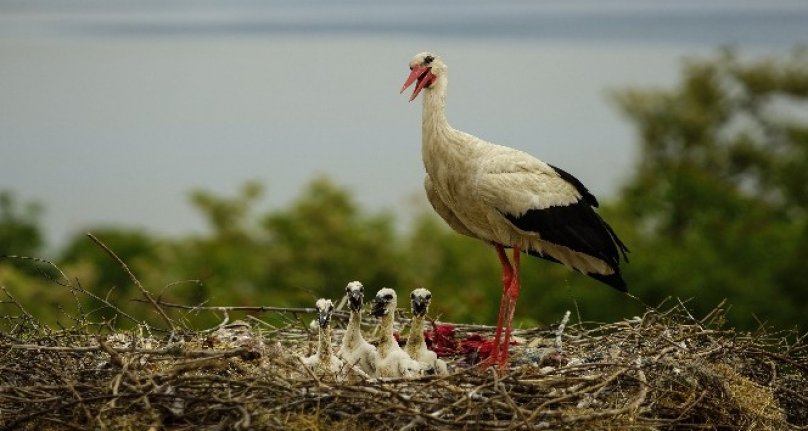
<point x="663" y="370"/>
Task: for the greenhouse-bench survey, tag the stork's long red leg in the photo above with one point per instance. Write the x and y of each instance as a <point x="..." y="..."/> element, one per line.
<point x="507" y="279"/>
<point x="511" y="295"/>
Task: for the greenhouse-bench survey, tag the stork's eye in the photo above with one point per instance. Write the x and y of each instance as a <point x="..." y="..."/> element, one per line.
<point x="429" y="297"/>
<point x="428" y="59"/>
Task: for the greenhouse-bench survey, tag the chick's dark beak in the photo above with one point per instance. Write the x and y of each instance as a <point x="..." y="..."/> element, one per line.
<point x="379" y="308"/>
<point x="355" y="300"/>
<point x="419" y="306"/>
<point x="323" y="319"/>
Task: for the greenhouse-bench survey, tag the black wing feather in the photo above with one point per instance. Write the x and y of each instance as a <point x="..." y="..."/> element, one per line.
<point x="579" y="186"/>
<point x="578" y="227"/>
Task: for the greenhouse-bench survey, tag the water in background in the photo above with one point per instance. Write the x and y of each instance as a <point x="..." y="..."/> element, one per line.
<point x="111" y="111"/>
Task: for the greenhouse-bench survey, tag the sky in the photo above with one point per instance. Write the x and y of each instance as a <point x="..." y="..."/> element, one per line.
<point x="112" y="112"/>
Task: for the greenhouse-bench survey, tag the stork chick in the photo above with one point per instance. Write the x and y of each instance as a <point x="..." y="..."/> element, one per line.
<point x="354" y="349"/>
<point x="391" y="360"/>
<point x="323" y="363"/>
<point x="416" y="345"/>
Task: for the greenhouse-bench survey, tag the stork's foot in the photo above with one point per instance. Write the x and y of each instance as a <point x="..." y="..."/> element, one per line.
<point x="498" y="361"/>
<point x="495" y="352"/>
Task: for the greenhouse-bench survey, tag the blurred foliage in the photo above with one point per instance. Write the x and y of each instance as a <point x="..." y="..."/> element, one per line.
<point x="20" y="234"/>
<point x="715" y="209"/>
<point x="324" y="237"/>
<point x="135" y="247"/>
<point x="19" y="227"/>
<point x="719" y="196"/>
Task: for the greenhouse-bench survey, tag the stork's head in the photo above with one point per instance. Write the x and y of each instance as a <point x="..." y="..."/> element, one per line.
<point x="324" y="310"/>
<point x="425" y="69"/>
<point x="420" y="299"/>
<point x="384" y="303"/>
<point x="356" y="295"/>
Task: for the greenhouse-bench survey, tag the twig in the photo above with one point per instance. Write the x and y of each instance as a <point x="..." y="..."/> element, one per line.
<point x="560" y="331"/>
<point x="136" y="282"/>
<point x="171" y="350"/>
<point x="20" y="307"/>
<point x="627" y="375"/>
<point x="246" y="308"/>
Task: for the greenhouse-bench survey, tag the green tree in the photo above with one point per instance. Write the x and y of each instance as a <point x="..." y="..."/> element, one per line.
<point x="287" y="256"/>
<point x="229" y="217"/>
<point x="719" y="196"/>
<point x="86" y="263"/>
<point x="324" y="241"/>
<point x="229" y="261"/>
<point x="136" y="248"/>
<point x="20" y="233"/>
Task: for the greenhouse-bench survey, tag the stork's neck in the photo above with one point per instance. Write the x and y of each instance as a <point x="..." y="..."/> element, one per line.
<point x="416" y="338"/>
<point x="353" y="332"/>
<point x="387" y="342"/>
<point x="434" y="113"/>
<point x="324" y="344"/>
<point x="439" y="141"/>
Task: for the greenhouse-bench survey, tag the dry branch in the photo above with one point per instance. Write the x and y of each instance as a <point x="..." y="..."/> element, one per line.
<point x="663" y="370"/>
<point x="135" y="281"/>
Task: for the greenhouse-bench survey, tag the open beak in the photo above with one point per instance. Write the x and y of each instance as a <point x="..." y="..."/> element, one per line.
<point x="423" y="75"/>
<point x="355" y="300"/>
<point x="419" y="306"/>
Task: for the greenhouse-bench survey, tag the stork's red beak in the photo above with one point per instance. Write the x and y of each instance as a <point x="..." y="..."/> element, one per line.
<point x="424" y="76"/>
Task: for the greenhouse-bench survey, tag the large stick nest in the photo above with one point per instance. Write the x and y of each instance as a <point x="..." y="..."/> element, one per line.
<point x="663" y="370"/>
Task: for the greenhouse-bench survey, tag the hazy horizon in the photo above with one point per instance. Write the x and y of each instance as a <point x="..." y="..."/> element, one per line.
<point x="112" y="112"/>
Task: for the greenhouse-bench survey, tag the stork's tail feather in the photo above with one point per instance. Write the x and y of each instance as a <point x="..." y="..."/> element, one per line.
<point x="622" y="249"/>
<point x="615" y="279"/>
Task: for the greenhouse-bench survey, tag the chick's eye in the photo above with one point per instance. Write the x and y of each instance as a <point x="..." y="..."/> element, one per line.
<point x="428" y="59"/>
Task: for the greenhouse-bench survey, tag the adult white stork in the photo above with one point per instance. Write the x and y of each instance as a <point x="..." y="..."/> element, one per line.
<point x="510" y="199"/>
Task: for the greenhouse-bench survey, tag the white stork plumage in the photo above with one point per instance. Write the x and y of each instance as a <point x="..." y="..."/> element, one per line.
<point x="355" y="350"/>
<point x="416" y="344"/>
<point x="323" y="362"/>
<point x="391" y="360"/>
<point x="509" y="199"/>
